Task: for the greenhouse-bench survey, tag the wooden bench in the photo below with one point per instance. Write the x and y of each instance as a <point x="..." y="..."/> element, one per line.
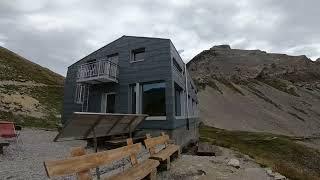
<point x="166" y="153"/>
<point x="81" y="163"/>
<point x="2" y="144"/>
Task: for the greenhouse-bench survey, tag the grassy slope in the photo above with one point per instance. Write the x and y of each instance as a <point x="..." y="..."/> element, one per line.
<point x="20" y="69"/>
<point x="282" y="153"/>
<point x="16" y="68"/>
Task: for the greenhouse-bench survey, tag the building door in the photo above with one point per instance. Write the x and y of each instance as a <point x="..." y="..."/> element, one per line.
<point x="108" y="102"/>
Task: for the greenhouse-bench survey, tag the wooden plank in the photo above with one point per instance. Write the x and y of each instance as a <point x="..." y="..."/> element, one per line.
<point x="166" y="142"/>
<point x="82" y="175"/>
<point x="153" y="142"/>
<point x="152" y="150"/>
<point x="114" y="125"/>
<point x="92" y="127"/>
<point x="140" y="171"/>
<point x="165" y="153"/>
<point x="133" y="156"/>
<point x="81" y="163"/>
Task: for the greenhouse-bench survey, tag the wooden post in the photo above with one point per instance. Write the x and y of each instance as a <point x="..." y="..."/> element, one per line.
<point x="83" y="175"/>
<point x="165" y="143"/>
<point x="133" y="156"/>
<point x="167" y="161"/>
<point x="96" y="150"/>
<point x="152" y="150"/>
<point x="152" y="175"/>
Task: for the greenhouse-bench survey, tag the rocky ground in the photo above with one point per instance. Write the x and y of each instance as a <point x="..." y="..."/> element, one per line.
<point x="24" y="160"/>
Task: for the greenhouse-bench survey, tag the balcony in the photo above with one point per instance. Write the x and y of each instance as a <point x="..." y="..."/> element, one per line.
<point x="98" y="72"/>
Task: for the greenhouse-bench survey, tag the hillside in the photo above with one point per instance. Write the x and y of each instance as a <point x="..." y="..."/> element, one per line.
<point x="252" y="90"/>
<point x="30" y="95"/>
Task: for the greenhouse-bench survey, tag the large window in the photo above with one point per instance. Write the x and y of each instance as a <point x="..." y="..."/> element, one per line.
<point x="138" y="55"/>
<point x="154" y="99"/>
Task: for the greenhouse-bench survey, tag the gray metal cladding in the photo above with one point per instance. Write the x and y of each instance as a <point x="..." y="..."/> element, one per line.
<point x="157" y="66"/>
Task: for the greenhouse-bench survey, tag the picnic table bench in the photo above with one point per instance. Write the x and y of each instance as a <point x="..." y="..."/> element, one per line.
<point x="81" y="163"/>
<point x="2" y="144"/>
<point x="166" y="153"/>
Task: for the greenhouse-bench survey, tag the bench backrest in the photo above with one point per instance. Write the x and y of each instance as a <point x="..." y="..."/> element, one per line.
<point x="82" y="163"/>
<point x="151" y="143"/>
<point x="7" y="130"/>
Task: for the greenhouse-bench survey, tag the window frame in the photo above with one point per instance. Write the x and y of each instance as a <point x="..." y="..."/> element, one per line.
<point x="137" y="51"/>
<point x="157" y="117"/>
<point x="79" y="93"/>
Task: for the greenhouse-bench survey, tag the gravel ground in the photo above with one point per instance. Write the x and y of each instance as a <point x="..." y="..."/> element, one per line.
<point x="24" y="160"/>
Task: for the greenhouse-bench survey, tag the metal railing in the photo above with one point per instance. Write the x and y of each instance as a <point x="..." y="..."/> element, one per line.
<point x="99" y="69"/>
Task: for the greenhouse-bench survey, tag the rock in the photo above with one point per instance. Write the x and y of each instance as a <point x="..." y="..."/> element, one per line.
<point x="278" y="176"/>
<point x="234" y="162"/>
<point x="275" y="175"/>
<point x="269" y="172"/>
<point x="223" y="46"/>
<point x="206" y="149"/>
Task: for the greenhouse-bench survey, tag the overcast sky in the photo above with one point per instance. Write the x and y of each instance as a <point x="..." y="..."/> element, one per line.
<point x="57" y="33"/>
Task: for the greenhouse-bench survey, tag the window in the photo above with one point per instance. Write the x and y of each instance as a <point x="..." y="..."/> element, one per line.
<point x="138" y="55"/>
<point x="80" y="92"/>
<point x="113" y="58"/>
<point x="176" y="65"/>
<point x="178" y="98"/>
<point x="154" y="99"/>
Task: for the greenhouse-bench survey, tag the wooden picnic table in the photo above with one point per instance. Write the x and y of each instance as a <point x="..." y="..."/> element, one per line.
<point x="2" y="144"/>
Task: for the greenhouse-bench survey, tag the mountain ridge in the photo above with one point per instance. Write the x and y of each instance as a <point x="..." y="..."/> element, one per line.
<point x="257" y="91"/>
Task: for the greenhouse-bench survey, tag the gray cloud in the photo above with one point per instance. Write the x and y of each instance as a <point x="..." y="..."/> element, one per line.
<point x="57" y="33"/>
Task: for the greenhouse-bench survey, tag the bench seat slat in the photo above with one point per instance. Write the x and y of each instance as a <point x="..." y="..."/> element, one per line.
<point x="139" y="171"/>
<point x="165" y="153"/>
<point x="81" y="163"/>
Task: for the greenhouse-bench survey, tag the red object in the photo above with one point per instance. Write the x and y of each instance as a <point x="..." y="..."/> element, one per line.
<point x="7" y="129"/>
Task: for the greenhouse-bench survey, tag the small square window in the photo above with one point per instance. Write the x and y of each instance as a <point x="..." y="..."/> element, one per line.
<point x="138" y="55"/>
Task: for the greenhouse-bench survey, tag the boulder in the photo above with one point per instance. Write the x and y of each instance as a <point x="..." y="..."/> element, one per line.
<point x="234" y="163"/>
<point x="206" y="149"/>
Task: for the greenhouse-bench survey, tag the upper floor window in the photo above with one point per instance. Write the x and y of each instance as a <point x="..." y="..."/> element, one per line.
<point x="113" y="58"/>
<point x="138" y="55"/>
<point x="176" y="65"/>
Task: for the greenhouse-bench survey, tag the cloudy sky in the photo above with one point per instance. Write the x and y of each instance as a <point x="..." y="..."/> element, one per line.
<point x="57" y="33"/>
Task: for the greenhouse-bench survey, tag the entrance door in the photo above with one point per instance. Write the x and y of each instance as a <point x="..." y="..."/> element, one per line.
<point x="108" y="103"/>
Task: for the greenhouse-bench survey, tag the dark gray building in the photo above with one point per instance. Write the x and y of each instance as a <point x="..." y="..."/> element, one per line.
<point x="136" y="75"/>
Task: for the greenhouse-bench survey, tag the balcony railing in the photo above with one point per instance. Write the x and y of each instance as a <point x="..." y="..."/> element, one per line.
<point x="102" y="70"/>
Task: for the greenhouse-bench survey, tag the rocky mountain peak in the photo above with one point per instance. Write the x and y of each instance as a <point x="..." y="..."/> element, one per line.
<point x="261" y="91"/>
<point x="221" y="47"/>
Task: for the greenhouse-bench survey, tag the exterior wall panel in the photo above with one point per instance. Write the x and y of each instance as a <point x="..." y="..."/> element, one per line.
<point x="157" y="66"/>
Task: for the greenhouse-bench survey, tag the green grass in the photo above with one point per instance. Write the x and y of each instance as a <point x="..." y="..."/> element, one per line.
<point x="16" y="68"/>
<point x="282" y="153"/>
